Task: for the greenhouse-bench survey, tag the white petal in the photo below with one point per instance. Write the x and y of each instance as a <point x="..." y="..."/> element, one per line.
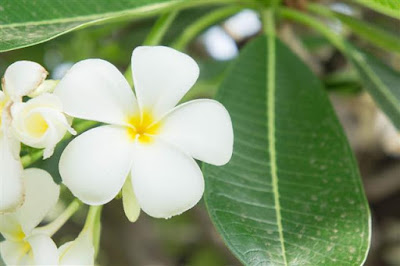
<point x="166" y="181"/>
<point x="22" y="77"/>
<point x="94" y="165"/>
<point x="41" y="194"/>
<point x="44" y="250"/>
<point x="162" y="76"/>
<point x="10" y="227"/>
<point x="13" y="253"/>
<point x="129" y="201"/>
<point x="94" y="89"/>
<point x="201" y="128"/>
<point x="77" y="252"/>
<point x="40" y="123"/>
<point x="11" y="185"/>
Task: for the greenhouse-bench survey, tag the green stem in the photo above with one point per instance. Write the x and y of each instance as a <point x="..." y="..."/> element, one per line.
<point x="93" y="225"/>
<point x="160" y="28"/>
<point x="308" y="20"/>
<point x="203" y="23"/>
<point x="268" y="22"/>
<point x="91" y="217"/>
<point x="51" y="228"/>
<point x="321" y="10"/>
<point x="155" y="36"/>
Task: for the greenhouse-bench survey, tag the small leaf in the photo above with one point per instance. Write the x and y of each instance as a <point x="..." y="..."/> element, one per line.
<point x="292" y="193"/>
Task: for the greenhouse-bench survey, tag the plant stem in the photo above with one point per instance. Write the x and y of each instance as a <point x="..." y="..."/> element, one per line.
<point x="91" y="216"/>
<point x="203" y="23"/>
<point x="51" y="228"/>
<point x="308" y="20"/>
<point x="160" y="28"/>
<point x="93" y="226"/>
<point x="155" y="36"/>
<point x="268" y="22"/>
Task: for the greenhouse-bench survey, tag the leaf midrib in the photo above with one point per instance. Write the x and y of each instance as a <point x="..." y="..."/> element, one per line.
<point x="270" y="90"/>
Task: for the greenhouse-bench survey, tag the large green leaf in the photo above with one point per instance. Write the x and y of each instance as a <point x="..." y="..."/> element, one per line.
<point x="291" y="193"/>
<point x="387" y="7"/>
<point x="382" y="82"/>
<point x="26" y="22"/>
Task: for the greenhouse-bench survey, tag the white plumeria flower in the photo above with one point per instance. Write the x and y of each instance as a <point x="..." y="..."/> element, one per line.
<point x="22" y="245"/>
<point x="27" y="245"/>
<point x="20" y="79"/>
<point x="40" y="122"/>
<point x="149" y="137"/>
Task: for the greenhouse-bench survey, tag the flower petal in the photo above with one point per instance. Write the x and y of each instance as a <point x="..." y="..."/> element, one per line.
<point x="12" y="192"/>
<point x="162" y="76"/>
<point x="166" y="181"/>
<point x="94" y="165"/>
<point x="94" y="89"/>
<point x="77" y="252"/>
<point x="201" y="128"/>
<point x="37" y="203"/>
<point x="13" y="252"/>
<point x="10" y="228"/>
<point x="21" y="78"/>
<point x="44" y="249"/>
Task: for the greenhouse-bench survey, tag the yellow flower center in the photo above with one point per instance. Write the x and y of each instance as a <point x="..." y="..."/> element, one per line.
<point x="36" y="125"/>
<point x="144" y="127"/>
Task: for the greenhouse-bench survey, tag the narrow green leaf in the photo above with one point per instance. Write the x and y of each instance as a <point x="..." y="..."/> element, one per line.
<point x="24" y="22"/>
<point x="387" y="7"/>
<point x="368" y="31"/>
<point x="292" y="193"/>
<point x="382" y="82"/>
<point x="372" y="33"/>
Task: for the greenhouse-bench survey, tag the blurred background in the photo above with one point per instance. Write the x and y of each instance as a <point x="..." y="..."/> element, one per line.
<point x="190" y="239"/>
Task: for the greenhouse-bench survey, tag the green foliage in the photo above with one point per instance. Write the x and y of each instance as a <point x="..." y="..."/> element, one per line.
<point x="372" y="33"/>
<point x="292" y="193"/>
<point x="382" y="82"/>
<point x="368" y="31"/>
<point x="387" y="7"/>
<point x="25" y="23"/>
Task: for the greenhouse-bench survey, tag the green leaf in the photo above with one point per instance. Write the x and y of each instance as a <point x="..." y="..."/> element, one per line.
<point x="292" y="193"/>
<point x="370" y="32"/>
<point x="24" y="22"/>
<point x="387" y="7"/>
<point x="382" y="82"/>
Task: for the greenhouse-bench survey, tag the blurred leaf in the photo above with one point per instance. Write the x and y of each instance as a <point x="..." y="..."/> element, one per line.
<point x="24" y="22"/>
<point x="345" y="81"/>
<point x="387" y="7"/>
<point x="372" y="33"/>
<point x="291" y="193"/>
<point x="382" y="82"/>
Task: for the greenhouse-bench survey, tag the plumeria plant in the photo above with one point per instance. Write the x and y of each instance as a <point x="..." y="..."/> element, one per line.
<point x="278" y="176"/>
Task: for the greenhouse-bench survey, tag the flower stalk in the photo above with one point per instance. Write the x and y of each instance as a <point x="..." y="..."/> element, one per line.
<point x="203" y="23"/>
<point x="51" y="228"/>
